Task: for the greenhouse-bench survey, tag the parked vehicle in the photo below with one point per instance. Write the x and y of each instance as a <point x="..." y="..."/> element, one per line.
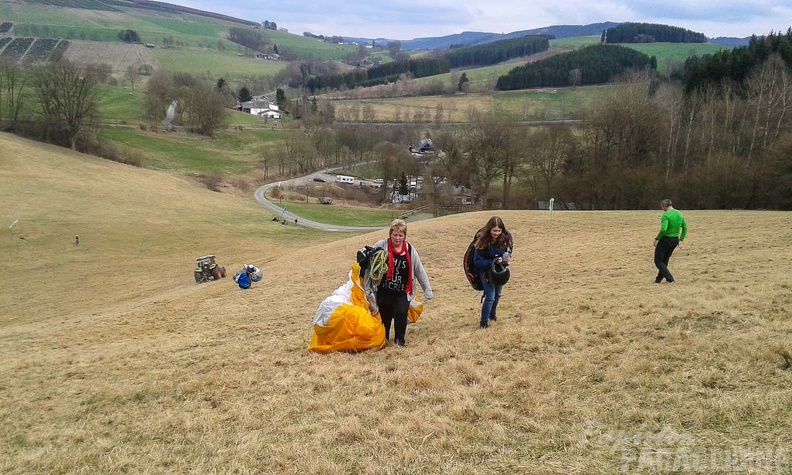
<point x="345" y="179"/>
<point x="207" y="269"/>
<point x="319" y="179"/>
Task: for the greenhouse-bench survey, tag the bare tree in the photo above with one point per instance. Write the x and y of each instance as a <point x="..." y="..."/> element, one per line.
<point x="547" y="150"/>
<point x="391" y="158"/>
<point x="69" y="95"/>
<point x="12" y="88"/>
<point x="771" y="91"/>
<point x="131" y="76"/>
<point x="490" y="145"/>
<point x="205" y="109"/>
<point x="369" y="114"/>
<point x="160" y="92"/>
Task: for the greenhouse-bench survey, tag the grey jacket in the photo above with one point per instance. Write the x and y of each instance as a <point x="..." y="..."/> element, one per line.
<point x="418" y="272"/>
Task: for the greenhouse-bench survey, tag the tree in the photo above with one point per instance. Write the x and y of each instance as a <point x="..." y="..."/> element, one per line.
<point x="489" y="142"/>
<point x="394" y="49"/>
<point x="280" y="99"/>
<point x="12" y="88"/>
<point x="403" y="188"/>
<point x="205" y="109"/>
<point x="131" y="76"/>
<point x="463" y="82"/>
<point x="160" y="92"/>
<point x="69" y="96"/>
<point x="244" y="95"/>
<point x="129" y="36"/>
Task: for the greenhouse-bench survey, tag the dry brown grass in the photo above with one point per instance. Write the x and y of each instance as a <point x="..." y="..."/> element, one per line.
<point x="113" y="361"/>
<point x="119" y="56"/>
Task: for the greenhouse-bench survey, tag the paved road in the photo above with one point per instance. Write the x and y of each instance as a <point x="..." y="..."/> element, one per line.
<point x="261" y="197"/>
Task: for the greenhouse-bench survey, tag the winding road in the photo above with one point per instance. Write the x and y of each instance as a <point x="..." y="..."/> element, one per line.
<point x="261" y="197"/>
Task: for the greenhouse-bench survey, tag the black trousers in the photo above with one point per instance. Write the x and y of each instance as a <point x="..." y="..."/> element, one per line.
<point x="393" y="306"/>
<point x="665" y="247"/>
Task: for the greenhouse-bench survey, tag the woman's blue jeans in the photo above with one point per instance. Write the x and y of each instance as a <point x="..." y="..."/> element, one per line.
<point x="492" y="294"/>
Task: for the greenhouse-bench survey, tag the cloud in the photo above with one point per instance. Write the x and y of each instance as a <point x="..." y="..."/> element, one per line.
<point x="431" y="18"/>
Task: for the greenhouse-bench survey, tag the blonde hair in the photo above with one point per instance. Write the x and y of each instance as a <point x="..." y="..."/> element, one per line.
<point x="398" y="225"/>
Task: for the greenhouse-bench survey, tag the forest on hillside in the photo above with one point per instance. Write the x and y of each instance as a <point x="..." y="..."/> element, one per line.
<point x="385" y="73"/>
<point x="650" y="33"/>
<point x="495" y="52"/>
<point x="595" y="64"/>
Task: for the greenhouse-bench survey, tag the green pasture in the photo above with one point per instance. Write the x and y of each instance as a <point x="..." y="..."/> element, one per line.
<point x="121" y="105"/>
<point x="549" y="103"/>
<point x="381" y="55"/>
<point x="669" y="53"/>
<point x="226" y="154"/>
<point x="45" y="20"/>
<point x="245" y="120"/>
<point x="247" y="141"/>
<point x="212" y="63"/>
<point x="308" y="48"/>
<point x="340" y="214"/>
<point x="577" y="42"/>
<point x="197" y="26"/>
<point x="479" y="78"/>
<point x="524" y="105"/>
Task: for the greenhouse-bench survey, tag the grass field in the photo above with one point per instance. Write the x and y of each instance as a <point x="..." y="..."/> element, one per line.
<point x="112" y="360"/>
<point x="675" y="53"/>
<point x="530" y="104"/>
<point x="230" y="153"/>
<point x="309" y="48"/>
<point x="214" y="64"/>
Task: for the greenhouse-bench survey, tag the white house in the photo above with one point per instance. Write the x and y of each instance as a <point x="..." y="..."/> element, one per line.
<point x="260" y="106"/>
<point x="270" y="114"/>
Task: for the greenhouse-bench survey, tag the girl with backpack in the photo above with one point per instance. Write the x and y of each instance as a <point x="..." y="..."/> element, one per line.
<point x="491" y="259"/>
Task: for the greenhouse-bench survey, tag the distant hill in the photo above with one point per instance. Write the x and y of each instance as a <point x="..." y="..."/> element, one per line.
<point x="472" y="38"/>
<point x="730" y="41"/>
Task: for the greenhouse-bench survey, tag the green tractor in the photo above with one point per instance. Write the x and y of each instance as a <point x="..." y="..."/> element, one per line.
<point x="206" y="269"/>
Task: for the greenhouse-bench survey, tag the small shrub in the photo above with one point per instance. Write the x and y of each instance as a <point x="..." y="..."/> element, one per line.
<point x="242" y="185"/>
<point x="113" y="152"/>
<point x="212" y="180"/>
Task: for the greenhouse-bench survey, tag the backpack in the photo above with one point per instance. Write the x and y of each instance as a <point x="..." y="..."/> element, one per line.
<point x="474" y="279"/>
<point x="243" y="280"/>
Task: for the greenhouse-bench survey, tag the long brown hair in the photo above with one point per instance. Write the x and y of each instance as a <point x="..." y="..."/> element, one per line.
<point x="484" y="239"/>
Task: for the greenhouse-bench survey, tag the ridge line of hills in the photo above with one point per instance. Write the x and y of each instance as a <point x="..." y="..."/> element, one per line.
<point x="465" y="38"/>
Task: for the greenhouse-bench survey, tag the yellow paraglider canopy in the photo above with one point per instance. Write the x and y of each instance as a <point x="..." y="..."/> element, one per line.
<point x="343" y="321"/>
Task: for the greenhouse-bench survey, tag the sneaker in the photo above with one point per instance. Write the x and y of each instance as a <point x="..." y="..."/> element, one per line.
<point x="400" y="343"/>
<point x="493" y="318"/>
<point x="484" y="325"/>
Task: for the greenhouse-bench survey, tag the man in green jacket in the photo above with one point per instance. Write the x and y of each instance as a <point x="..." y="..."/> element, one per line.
<point x="673" y="229"/>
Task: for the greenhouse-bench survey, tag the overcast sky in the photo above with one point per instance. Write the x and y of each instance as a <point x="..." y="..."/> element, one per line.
<point x="408" y="19"/>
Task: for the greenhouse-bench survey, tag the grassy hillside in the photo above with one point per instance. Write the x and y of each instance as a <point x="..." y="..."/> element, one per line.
<point x="113" y="360"/>
<point x="193" y="35"/>
<point x="530" y="104"/>
<point x="233" y="153"/>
